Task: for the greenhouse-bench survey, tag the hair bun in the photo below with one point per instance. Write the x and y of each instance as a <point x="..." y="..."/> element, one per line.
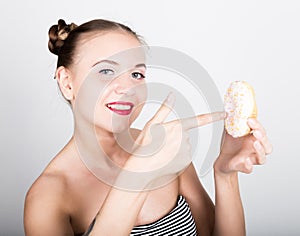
<point x="58" y="34"/>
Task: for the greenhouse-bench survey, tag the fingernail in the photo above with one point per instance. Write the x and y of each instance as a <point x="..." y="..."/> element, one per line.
<point x="248" y="163"/>
<point x="170" y="99"/>
<point x="223" y="114"/>
<point x="251" y="121"/>
<point x="258" y="145"/>
<point x="257" y="134"/>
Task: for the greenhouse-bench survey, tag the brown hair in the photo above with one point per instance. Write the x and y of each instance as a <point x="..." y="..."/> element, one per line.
<point x="63" y="38"/>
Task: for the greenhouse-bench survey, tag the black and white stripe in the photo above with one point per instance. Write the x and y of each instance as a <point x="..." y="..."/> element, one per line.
<point x="179" y="222"/>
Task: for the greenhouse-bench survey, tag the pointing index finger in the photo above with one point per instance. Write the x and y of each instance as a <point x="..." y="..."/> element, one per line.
<point x="201" y="120"/>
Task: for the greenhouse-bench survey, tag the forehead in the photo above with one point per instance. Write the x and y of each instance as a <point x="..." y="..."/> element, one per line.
<point x="115" y="45"/>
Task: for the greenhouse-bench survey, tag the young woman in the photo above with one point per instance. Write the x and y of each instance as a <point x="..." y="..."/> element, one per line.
<point x="68" y="199"/>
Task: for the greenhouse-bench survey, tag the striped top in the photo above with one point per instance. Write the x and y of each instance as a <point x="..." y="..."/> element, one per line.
<point x="177" y="222"/>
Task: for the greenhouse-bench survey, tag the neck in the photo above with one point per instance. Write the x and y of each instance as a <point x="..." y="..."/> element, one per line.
<point x="102" y="144"/>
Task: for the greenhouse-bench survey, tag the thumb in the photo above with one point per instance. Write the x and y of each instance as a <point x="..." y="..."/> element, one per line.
<point x="241" y="164"/>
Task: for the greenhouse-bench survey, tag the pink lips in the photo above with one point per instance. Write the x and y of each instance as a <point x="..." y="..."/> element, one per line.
<point x="121" y="108"/>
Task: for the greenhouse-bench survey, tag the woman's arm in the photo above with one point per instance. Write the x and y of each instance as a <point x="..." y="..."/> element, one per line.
<point x="237" y="155"/>
<point x="229" y="213"/>
<point x="119" y="213"/>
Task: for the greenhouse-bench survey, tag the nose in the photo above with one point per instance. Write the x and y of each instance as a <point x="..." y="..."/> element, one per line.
<point x="124" y="85"/>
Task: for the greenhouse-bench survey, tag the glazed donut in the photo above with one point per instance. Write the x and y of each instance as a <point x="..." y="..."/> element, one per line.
<point x="239" y="104"/>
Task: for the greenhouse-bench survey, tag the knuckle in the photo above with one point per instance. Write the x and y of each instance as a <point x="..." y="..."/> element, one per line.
<point x="204" y="119"/>
<point x="177" y="125"/>
<point x="248" y="170"/>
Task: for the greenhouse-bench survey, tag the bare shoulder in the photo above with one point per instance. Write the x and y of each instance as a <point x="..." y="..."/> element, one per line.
<point x="45" y="212"/>
<point x="47" y="185"/>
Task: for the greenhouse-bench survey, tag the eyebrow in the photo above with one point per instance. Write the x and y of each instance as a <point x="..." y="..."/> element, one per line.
<point x="117" y="64"/>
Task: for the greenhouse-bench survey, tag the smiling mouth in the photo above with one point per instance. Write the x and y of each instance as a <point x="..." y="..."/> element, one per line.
<point x="121" y="108"/>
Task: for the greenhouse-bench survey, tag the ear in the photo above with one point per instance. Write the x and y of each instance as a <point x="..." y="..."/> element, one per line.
<point x="64" y="80"/>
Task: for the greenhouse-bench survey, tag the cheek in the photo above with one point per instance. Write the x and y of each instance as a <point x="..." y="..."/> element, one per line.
<point x="87" y="103"/>
<point x="101" y="112"/>
<point x="102" y="118"/>
<point x="141" y="95"/>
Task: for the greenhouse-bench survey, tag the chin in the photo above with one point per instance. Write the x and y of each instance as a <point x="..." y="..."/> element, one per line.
<point x="112" y="128"/>
<point x="116" y="123"/>
<point x="119" y="129"/>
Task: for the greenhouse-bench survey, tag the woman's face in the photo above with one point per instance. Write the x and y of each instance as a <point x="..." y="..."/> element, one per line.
<point x="108" y="78"/>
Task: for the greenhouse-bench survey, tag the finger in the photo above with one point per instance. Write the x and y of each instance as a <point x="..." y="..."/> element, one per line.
<point x="248" y="166"/>
<point x="259" y="132"/>
<point x="159" y="116"/>
<point x="201" y="120"/>
<point x="260" y="152"/>
<point x="263" y="140"/>
<point x="164" y="110"/>
<point x="254" y="124"/>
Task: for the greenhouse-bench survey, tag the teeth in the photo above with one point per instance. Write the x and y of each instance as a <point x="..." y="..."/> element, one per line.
<point x="119" y="107"/>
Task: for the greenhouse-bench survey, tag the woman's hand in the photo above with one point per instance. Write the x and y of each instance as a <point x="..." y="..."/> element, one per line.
<point x="165" y="146"/>
<point x="240" y="154"/>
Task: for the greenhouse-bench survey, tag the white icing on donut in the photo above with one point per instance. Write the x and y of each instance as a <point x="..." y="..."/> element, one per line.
<point x="239" y="106"/>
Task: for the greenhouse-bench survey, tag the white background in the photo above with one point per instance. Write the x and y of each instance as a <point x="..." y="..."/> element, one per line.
<point x="257" y="41"/>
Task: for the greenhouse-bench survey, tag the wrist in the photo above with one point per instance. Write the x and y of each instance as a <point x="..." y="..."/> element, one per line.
<point x="222" y="172"/>
<point x="223" y="167"/>
<point x="225" y="177"/>
<point x="225" y="182"/>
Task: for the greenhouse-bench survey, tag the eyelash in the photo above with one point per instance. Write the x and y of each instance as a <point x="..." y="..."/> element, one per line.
<point x="133" y="74"/>
<point x="105" y="70"/>
<point x="140" y="74"/>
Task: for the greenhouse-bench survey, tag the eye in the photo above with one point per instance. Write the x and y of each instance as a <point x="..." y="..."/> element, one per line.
<point x="137" y="75"/>
<point x="106" y="72"/>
